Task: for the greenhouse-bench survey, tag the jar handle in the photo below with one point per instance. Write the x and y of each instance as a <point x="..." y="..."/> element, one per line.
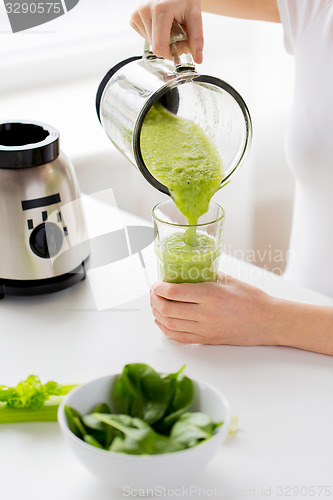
<point x="177" y="34"/>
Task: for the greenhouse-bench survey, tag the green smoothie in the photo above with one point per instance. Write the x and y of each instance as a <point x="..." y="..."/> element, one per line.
<point x="179" y="155"/>
<point x="182" y="263"/>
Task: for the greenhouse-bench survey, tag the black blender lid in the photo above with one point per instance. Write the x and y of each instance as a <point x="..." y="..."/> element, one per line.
<point x="25" y="144"/>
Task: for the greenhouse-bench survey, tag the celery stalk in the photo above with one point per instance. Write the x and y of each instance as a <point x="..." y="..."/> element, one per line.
<point x="45" y="413"/>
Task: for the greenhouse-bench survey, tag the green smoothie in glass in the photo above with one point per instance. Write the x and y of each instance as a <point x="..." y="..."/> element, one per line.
<point x="179" y="155"/>
<point x="182" y="263"/>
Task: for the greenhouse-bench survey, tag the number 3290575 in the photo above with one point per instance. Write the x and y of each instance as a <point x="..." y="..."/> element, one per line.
<point x="304" y="491"/>
<point x="33" y="8"/>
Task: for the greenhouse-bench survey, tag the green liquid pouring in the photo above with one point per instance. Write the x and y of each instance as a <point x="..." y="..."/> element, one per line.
<point x="180" y="156"/>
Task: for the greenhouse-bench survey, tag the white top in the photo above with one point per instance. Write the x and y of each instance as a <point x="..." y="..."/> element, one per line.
<point x="308" y="28"/>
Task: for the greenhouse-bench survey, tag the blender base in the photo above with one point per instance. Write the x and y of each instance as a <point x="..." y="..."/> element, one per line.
<point x="43" y="286"/>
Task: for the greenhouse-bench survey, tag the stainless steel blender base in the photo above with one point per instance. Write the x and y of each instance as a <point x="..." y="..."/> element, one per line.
<point x="43" y="286"/>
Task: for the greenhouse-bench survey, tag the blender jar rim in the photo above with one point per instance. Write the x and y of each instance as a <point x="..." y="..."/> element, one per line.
<point x="180" y="80"/>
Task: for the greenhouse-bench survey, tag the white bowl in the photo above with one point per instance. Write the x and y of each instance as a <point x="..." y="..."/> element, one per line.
<point x="144" y="471"/>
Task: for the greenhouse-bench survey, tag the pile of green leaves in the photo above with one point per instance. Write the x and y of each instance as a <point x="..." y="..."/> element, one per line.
<point x="31" y="400"/>
<point x="151" y="415"/>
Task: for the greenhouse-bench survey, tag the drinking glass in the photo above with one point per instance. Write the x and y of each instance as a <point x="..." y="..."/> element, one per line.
<point x="187" y="253"/>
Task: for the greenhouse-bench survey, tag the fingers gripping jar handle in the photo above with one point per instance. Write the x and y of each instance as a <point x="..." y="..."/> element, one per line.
<point x="177" y="34"/>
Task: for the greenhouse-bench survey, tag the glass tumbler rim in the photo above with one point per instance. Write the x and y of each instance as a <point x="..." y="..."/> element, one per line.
<point x="218" y="219"/>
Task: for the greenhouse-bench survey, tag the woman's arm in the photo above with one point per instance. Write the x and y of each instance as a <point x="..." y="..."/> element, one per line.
<point x="231" y="312"/>
<point x="153" y="20"/>
<point x="261" y="10"/>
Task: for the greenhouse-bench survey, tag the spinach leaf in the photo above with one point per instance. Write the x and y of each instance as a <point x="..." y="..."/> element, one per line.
<point x="138" y="437"/>
<point x="180" y="397"/>
<point x="141" y="392"/>
<point x="91" y="440"/>
<point x="88" y="428"/>
<point x="73" y="417"/>
<point x="192" y="428"/>
<point x="101" y="408"/>
<point x="102" y="433"/>
<point x="92" y="422"/>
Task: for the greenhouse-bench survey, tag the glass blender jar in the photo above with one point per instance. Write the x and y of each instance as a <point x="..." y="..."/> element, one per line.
<point x="133" y="86"/>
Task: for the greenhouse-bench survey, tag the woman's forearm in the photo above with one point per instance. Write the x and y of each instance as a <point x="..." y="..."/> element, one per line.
<point x="232" y="312"/>
<point x="303" y="326"/>
<point x="264" y="10"/>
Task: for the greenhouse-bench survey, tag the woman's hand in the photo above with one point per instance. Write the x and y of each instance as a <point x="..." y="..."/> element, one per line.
<point x="226" y="312"/>
<point x="153" y="20"/>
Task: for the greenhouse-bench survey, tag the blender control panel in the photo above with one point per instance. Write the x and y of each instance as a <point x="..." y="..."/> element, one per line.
<point x="46" y="238"/>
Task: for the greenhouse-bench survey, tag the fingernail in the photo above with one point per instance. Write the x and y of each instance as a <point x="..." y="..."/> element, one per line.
<point x="199" y="56"/>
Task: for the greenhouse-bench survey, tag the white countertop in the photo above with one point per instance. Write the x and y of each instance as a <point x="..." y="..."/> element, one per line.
<point x="283" y="396"/>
